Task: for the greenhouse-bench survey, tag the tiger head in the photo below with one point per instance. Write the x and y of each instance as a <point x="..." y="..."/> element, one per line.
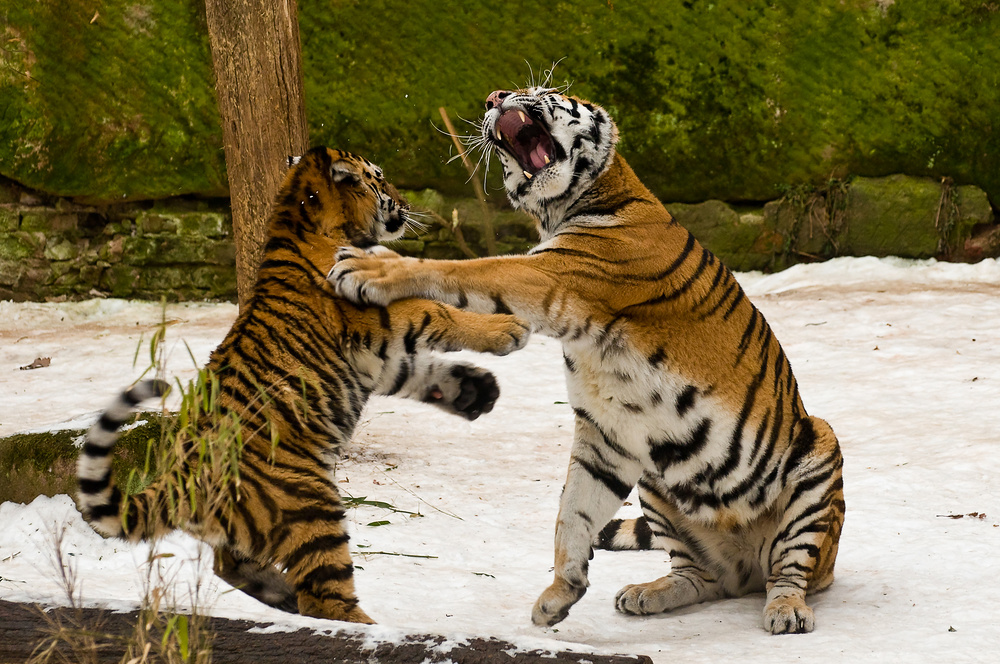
<point x="552" y="147"/>
<point x="341" y="196"/>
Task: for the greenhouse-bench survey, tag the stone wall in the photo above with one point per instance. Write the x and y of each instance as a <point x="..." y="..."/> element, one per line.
<point x="182" y="248"/>
<point x="52" y="248"/>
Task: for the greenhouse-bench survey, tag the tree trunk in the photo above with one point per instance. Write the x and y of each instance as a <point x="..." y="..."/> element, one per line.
<point x="258" y="71"/>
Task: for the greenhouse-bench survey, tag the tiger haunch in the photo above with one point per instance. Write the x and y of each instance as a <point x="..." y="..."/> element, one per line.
<point x="284" y="392"/>
<point x="677" y="382"/>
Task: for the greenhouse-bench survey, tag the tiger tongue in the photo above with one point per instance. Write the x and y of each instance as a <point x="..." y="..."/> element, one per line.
<point x="539" y="157"/>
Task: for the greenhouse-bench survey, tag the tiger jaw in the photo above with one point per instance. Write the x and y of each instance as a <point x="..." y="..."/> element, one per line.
<point x="525" y="139"/>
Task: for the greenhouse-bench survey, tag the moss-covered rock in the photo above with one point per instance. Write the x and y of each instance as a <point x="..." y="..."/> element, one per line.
<point x="729" y="100"/>
<point x="9" y="219"/>
<point x="48" y="221"/>
<point x="20" y="245"/>
<point x="34" y="464"/>
<point x="742" y="241"/>
<point x="895" y="215"/>
<point x="207" y="224"/>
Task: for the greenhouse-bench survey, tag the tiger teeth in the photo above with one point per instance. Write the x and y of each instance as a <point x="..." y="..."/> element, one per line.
<point x="520" y="114"/>
<point x="527" y="175"/>
<point x="546" y="157"/>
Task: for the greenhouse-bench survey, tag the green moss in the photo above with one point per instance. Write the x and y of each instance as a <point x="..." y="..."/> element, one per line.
<point x="9" y="219"/>
<point x="35" y="464"/>
<point x="117" y="106"/>
<point x="729" y="100"/>
<point x="895" y="215"/>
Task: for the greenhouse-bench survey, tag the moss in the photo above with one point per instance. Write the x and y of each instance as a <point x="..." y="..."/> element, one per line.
<point x="9" y="219"/>
<point x="895" y="215"/>
<point x="727" y="99"/>
<point x="109" y="107"/>
<point x="34" y="464"/>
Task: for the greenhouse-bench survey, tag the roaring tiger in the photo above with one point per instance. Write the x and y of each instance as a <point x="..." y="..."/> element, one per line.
<point x="676" y="380"/>
<point x="293" y="374"/>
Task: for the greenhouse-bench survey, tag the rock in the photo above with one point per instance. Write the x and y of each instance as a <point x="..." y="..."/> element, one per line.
<point x="9" y="219"/>
<point x="734" y="238"/>
<point x="48" y="221"/>
<point x="892" y="216"/>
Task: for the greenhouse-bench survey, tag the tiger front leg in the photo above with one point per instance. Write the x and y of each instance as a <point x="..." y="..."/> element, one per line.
<point x="458" y="388"/>
<point x="801" y="555"/>
<point x="379" y="277"/>
<point x="601" y="475"/>
<point x="423" y="325"/>
<point x="533" y="287"/>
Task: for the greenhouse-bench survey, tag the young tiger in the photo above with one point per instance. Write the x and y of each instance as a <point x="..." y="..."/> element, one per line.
<point x="677" y="383"/>
<point x="294" y="373"/>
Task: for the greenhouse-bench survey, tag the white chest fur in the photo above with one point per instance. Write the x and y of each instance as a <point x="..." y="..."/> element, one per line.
<point x="679" y="432"/>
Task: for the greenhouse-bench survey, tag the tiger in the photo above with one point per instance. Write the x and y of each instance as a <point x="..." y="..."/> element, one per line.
<point x="677" y="383"/>
<point x="294" y="373"/>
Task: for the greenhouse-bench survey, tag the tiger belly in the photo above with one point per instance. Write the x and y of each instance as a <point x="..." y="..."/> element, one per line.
<point x="681" y="435"/>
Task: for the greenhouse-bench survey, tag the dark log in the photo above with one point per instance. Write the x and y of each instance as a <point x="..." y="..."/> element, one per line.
<point x="24" y="627"/>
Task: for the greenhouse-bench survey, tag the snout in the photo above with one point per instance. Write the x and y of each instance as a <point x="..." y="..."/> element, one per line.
<point x="496" y="98"/>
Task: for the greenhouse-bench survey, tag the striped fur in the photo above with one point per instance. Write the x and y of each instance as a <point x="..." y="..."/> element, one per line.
<point x="678" y="384"/>
<point x="292" y="377"/>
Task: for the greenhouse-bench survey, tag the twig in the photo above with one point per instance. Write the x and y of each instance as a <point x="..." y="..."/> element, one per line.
<point x="456" y="231"/>
<point x="488" y="234"/>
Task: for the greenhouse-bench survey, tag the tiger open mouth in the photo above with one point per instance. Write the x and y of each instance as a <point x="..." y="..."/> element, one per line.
<point x="526" y="139"/>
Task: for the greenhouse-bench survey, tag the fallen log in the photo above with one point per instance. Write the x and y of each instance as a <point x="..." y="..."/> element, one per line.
<point x="24" y="627"/>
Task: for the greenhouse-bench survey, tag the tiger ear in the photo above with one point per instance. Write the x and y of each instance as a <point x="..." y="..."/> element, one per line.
<point x="293" y="161"/>
<point x="345" y="172"/>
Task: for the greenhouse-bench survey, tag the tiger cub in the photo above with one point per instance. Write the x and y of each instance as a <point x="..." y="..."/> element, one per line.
<point x="294" y="373"/>
<point x="676" y="380"/>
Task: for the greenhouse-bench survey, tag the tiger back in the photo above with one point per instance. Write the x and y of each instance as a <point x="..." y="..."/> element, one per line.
<point x="677" y="382"/>
<point x="251" y="465"/>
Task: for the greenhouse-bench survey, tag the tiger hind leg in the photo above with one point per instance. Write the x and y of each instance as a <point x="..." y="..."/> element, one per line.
<point x="310" y="542"/>
<point x="801" y="555"/>
<point x="687" y="583"/>
<point x="662" y="526"/>
<point x="263" y="582"/>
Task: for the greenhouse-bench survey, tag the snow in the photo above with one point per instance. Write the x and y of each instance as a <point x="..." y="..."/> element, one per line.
<point x="901" y="357"/>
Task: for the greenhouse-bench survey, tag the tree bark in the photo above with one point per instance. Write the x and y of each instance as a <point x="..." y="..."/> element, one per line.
<point x="258" y="70"/>
<point x="99" y="636"/>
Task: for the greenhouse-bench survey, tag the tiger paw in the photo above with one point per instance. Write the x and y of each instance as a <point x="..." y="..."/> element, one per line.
<point x="470" y="391"/>
<point x="643" y="599"/>
<point x="512" y="335"/>
<point x="554" y="603"/>
<point x="788" y="615"/>
<point x="332" y="609"/>
<point x="361" y="275"/>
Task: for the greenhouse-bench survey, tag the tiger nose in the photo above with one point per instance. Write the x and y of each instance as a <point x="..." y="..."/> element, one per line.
<point x="495" y="99"/>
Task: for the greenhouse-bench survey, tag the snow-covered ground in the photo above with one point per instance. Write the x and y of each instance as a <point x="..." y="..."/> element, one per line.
<point x="902" y="358"/>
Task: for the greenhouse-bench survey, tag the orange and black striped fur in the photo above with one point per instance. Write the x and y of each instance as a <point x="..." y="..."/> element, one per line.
<point x="677" y="382"/>
<point x="294" y="373"/>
